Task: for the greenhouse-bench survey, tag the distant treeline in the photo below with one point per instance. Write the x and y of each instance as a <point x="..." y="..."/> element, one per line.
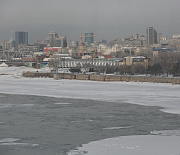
<point x="166" y="63"/>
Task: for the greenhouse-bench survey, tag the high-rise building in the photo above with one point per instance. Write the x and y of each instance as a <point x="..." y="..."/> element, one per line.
<point x="21" y="37"/>
<point x="52" y="37"/>
<point x="151" y="36"/>
<point x="159" y="37"/>
<point x="4" y="44"/>
<point x="89" y="37"/>
<point x="53" y="34"/>
<point x="60" y="42"/>
<point x="56" y="41"/>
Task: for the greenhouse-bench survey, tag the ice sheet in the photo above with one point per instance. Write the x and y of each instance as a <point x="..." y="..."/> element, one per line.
<point x="13" y="142"/>
<point x="165" y="96"/>
<point x="132" y="145"/>
<point x="149" y="94"/>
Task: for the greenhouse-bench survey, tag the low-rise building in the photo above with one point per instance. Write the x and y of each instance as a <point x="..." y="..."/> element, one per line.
<point x="138" y="60"/>
<point x="52" y="50"/>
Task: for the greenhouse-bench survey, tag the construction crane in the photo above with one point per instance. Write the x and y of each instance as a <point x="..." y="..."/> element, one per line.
<point x="81" y="37"/>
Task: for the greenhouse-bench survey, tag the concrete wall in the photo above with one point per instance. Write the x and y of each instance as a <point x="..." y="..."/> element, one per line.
<point x="67" y="76"/>
<point x="82" y="77"/>
<point x="37" y="74"/>
<point x="107" y="78"/>
<point x="97" y="78"/>
<point x="112" y="78"/>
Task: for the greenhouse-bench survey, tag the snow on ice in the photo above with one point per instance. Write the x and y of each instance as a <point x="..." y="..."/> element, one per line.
<point x="149" y="94"/>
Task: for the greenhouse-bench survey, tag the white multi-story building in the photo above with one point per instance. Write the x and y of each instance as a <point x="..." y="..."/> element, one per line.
<point x="176" y="36"/>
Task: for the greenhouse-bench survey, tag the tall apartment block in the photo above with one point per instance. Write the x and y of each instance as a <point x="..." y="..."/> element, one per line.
<point x="151" y="36"/>
<point x="89" y="37"/>
<point x="21" y="37"/>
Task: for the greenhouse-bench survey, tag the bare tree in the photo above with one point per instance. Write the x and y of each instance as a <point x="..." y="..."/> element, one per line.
<point x="138" y="69"/>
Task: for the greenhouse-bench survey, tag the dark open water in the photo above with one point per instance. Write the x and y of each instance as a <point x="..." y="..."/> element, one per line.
<point x="36" y="125"/>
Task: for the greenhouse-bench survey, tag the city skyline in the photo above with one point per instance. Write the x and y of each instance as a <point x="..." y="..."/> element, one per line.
<point x="106" y="19"/>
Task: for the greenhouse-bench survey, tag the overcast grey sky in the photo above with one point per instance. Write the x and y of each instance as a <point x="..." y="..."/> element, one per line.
<point x="108" y="19"/>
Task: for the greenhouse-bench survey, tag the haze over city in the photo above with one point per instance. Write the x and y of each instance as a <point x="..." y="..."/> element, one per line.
<point x="89" y="77"/>
<point x="107" y="19"/>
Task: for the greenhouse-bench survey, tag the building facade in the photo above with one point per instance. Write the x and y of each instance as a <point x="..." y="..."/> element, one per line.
<point x="151" y="36"/>
<point x="8" y="45"/>
<point x="60" y="42"/>
<point x="52" y="50"/>
<point x="21" y="37"/>
<point x="89" y="37"/>
<point x="138" y="60"/>
<point x="176" y="36"/>
<point x="54" y="41"/>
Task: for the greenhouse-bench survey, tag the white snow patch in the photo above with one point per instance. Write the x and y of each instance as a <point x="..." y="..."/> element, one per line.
<point x="116" y="128"/>
<point x="167" y="132"/>
<point x="18" y="144"/>
<point x="16" y="72"/>
<point x="12" y="142"/>
<point x="23" y="105"/>
<point x="87" y="120"/>
<point x="62" y="103"/>
<point x="5" y="140"/>
<point x="3" y="65"/>
<point x="132" y="145"/>
<point x="9" y="105"/>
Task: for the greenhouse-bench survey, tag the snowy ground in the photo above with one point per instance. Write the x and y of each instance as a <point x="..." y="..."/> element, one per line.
<point x="132" y="145"/>
<point x="166" y="96"/>
<point x="16" y="72"/>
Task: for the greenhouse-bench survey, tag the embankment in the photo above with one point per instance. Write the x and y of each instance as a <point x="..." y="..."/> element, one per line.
<point x="107" y="78"/>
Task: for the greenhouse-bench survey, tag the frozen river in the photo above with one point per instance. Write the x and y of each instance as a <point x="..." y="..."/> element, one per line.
<point x="58" y="117"/>
<point x="36" y="125"/>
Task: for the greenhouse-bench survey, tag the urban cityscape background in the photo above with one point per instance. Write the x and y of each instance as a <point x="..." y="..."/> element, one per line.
<point x="122" y="37"/>
<point x="76" y="74"/>
<point x="151" y="53"/>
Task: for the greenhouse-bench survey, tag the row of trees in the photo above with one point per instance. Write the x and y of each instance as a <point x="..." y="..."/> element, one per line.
<point x="131" y="70"/>
<point x="166" y="63"/>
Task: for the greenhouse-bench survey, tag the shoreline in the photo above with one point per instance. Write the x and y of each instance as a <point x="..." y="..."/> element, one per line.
<point x="106" y="78"/>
